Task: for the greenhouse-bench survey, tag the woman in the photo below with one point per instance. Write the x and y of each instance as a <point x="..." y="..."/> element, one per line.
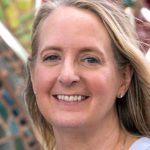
<point x="89" y="84"/>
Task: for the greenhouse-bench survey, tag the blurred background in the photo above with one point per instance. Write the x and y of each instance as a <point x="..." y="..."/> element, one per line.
<point x="16" y="17"/>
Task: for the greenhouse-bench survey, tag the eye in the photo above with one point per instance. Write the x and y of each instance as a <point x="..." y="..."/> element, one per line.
<point x="52" y="58"/>
<point x="91" y="60"/>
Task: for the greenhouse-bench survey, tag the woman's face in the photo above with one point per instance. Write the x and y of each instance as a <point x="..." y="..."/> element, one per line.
<point x="75" y="75"/>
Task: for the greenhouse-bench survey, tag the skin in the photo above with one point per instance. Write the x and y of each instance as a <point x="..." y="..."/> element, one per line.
<point x="75" y="57"/>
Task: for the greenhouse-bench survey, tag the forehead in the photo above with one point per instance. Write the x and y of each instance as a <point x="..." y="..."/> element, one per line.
<point x="66" y="15"/>
<point x="70" y="22"/>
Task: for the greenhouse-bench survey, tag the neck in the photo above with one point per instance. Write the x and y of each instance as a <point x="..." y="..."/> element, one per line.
<point x="100" y="137"/>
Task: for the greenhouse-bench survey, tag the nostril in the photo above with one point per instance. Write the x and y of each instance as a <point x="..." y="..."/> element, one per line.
<point x="68" y="79"/>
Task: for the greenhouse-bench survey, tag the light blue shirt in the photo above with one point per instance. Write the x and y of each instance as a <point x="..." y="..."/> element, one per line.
<point x="142" y="143"/>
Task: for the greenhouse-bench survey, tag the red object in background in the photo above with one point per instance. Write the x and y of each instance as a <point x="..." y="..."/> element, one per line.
<point x="43" y="1"/>
<point x="142" y="25"/>
<point x="147" y="3"/>
<point x="143" y="30"/>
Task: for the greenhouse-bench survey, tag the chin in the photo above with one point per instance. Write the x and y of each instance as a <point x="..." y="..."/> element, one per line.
<point x="68" y="122"/>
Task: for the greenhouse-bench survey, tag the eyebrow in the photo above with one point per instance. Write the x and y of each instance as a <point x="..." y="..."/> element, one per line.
<point x="92" y="49"/>
<point x="51" y="48"/>
<point x="89" y="49"/>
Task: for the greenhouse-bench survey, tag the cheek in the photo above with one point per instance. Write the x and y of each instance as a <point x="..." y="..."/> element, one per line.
<point x="98" y="85"/>
<point x="43" y="79"/>
<point x="103" y="84"/>
<point x="43" y="82"/>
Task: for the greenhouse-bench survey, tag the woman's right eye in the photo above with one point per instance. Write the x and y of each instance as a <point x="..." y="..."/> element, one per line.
<point x="52" y="58"/>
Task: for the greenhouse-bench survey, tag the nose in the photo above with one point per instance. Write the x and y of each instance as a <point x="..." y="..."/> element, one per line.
<point x="68" y="75"/>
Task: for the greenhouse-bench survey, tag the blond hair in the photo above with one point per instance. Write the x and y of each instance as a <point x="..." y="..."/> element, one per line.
<point x="133" y="107"/>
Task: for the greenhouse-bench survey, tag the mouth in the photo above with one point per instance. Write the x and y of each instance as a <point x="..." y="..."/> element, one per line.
<point x="71" y="98"/>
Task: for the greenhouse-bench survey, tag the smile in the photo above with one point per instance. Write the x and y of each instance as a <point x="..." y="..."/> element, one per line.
<point x="71" y="98"/>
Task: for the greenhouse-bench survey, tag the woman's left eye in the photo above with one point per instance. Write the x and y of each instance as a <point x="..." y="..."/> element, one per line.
<point x="91" y="60"/>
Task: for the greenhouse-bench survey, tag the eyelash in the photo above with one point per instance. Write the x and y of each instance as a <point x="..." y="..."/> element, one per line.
<point x="91" y="60"/>
<point x="52" y="58"/>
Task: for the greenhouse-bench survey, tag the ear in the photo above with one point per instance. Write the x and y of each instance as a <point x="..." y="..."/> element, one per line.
<point x="127" y="73"/>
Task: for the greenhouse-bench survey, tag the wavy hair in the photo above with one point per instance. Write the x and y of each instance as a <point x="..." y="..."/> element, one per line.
<point x="133" y="108"/>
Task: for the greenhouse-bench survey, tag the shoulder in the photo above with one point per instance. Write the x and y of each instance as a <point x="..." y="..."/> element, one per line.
<point x="142" y="143"/>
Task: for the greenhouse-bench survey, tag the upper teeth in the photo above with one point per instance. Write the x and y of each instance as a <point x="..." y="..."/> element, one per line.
<point x="71" y="98"/>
